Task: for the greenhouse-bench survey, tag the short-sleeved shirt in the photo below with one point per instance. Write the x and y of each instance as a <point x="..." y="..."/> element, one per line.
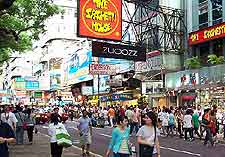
<point x="83" y="125"/>
<point x="5" y="132"/>
<point x="111" y="112"/>
<point x="171" y="119"/>
<point x="195" y="119"/>
<point x="148" y="133"/>
<point x="187" y="121"/>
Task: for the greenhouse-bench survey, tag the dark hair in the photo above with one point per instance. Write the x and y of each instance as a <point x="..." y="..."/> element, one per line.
<point x="54" y="119"/>
<point x="153" y="117"/>
<point x="120" y="119"/>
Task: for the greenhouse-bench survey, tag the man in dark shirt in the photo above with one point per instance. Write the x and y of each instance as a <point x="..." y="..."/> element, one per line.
<point x="6" y="136"/>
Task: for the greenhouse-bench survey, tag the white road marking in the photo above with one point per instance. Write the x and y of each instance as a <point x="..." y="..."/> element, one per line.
<point x="180" y="151"/>
<point x="106" y="135"/>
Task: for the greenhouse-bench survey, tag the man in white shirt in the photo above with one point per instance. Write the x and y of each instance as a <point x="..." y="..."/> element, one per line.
<point x="9" y="117"/>
<point x="188" y="125"/>
<point x="223" y="124"/>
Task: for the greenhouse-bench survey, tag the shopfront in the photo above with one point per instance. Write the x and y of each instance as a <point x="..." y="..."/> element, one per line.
<point x="204" y="86"/>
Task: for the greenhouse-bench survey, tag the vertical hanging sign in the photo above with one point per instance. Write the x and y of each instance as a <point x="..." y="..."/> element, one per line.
<point x="100" y="19"/>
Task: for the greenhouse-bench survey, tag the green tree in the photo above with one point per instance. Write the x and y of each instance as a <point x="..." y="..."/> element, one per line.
<point x="22" y="23"/>
<point x="193" y="63"/>
<point x="214" y="60"/>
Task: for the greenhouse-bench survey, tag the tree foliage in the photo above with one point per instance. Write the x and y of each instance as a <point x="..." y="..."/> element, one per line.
<point x="22" y="23"/>
<point x="214" y="60"/>
<point x="193" y="63"/>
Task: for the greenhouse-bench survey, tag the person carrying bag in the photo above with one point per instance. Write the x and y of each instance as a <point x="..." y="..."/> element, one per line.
<point x="59" y="137"/>
<point x="147" y="136"/>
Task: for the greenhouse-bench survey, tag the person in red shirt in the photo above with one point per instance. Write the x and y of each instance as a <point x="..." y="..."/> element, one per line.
<point x="122" y="111"/>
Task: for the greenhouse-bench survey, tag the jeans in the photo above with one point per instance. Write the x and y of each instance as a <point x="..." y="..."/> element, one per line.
<point x="120" y="155"/>
<point x="30" y="130"/>
<point x="208" y="136"/>
<point x="197" y="133"/>
<point x="134" y="125"/>
<point x="19" y="134"/>
<point x="188" y="130"/>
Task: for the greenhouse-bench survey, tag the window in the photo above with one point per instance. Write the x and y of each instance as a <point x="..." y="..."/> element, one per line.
<point x="216" y="3"/>
<point x="217" y="21"/>
<point x="203" y="18"/>
<point x="217" y="13"/>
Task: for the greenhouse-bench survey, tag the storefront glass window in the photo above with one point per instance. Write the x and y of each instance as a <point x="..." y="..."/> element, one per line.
<point x="204" y="52"/>
<point x="217" y="21"/>
<point x="218" y="47"/>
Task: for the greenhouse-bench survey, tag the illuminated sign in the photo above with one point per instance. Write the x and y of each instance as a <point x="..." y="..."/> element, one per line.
<point x="100" y="19"/>
<point x="100" y="49"/>
<point x="210" y="33"/>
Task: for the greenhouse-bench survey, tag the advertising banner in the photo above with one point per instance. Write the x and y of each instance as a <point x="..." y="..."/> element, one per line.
<point x="153" y="62"/>
<point x="210" y="33"/>
<point x="102" y="69"/>
<point x="107" y="50"/>
<point x="78" y="67"/>
<point x="103" y="87"/>
<point x="55" y="79"/>
<point x="32" y="85"/>
<point x="100" y="19"/>
<point x="115" y="82"/>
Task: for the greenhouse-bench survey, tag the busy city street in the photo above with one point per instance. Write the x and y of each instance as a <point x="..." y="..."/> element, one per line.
<point x="170" y="146"/>
<point x="112" y="78"/>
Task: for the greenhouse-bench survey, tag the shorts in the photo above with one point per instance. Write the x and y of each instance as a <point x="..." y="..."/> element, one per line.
<point x="85" y="139"/>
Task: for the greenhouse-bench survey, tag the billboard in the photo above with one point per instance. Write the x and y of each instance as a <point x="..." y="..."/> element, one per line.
<point x="100" y="19"/>
<point x="107" y="50"/>
<point x="103" y="87"/>
<point x="55" y="79"/>
<point x="77" y="67"/>
<point x="210" y="33"/>
<point x="102" y="69"/>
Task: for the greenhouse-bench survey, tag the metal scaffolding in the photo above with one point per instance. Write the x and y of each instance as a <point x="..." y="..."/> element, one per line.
<point x="154" y="26"/>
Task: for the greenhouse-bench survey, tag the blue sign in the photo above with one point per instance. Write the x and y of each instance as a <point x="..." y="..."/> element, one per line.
<point x="32" y="85"/>
<point x="78" y="67"/>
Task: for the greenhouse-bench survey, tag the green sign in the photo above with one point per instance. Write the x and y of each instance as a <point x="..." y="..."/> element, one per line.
<point x="38" y="94"/>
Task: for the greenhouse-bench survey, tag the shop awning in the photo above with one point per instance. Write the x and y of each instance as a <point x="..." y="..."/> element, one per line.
<point x="188" y="97"/>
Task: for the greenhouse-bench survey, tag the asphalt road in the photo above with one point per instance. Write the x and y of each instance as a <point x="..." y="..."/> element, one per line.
<point x="170" y="146"/>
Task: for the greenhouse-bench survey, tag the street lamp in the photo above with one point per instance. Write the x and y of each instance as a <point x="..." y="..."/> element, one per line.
<point x="4" y="4"/>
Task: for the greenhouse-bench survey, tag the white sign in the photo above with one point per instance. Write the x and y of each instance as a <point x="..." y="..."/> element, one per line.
<point x="153" y="62"/>
<point x="102" y="69"/>
<point x="87" y="90"/>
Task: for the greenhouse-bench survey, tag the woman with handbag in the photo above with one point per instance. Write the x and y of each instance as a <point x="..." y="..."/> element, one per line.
<point x="147" y="136"/>
<point x="56" y="150"/>
<point x="120" y="139"/>
<point x="30" y="125"/>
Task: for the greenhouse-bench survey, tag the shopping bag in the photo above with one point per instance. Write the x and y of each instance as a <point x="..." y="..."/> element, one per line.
<point x="63" y="138"/>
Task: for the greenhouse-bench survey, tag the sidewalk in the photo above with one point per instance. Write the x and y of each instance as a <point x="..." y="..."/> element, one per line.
<point x="40" y="148"/>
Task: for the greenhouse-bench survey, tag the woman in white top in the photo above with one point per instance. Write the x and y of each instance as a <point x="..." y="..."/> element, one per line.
<point x="147" y="136"/>
<point x="56" y="150"/>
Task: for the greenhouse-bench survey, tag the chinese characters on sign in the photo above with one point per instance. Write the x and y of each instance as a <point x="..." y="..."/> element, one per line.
<point x="100" y="19"/>
<point x="102" y="69"/>
<point x="210" y="33"/>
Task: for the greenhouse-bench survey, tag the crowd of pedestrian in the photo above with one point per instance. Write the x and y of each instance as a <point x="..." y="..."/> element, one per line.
<point x="146" y="123"/>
